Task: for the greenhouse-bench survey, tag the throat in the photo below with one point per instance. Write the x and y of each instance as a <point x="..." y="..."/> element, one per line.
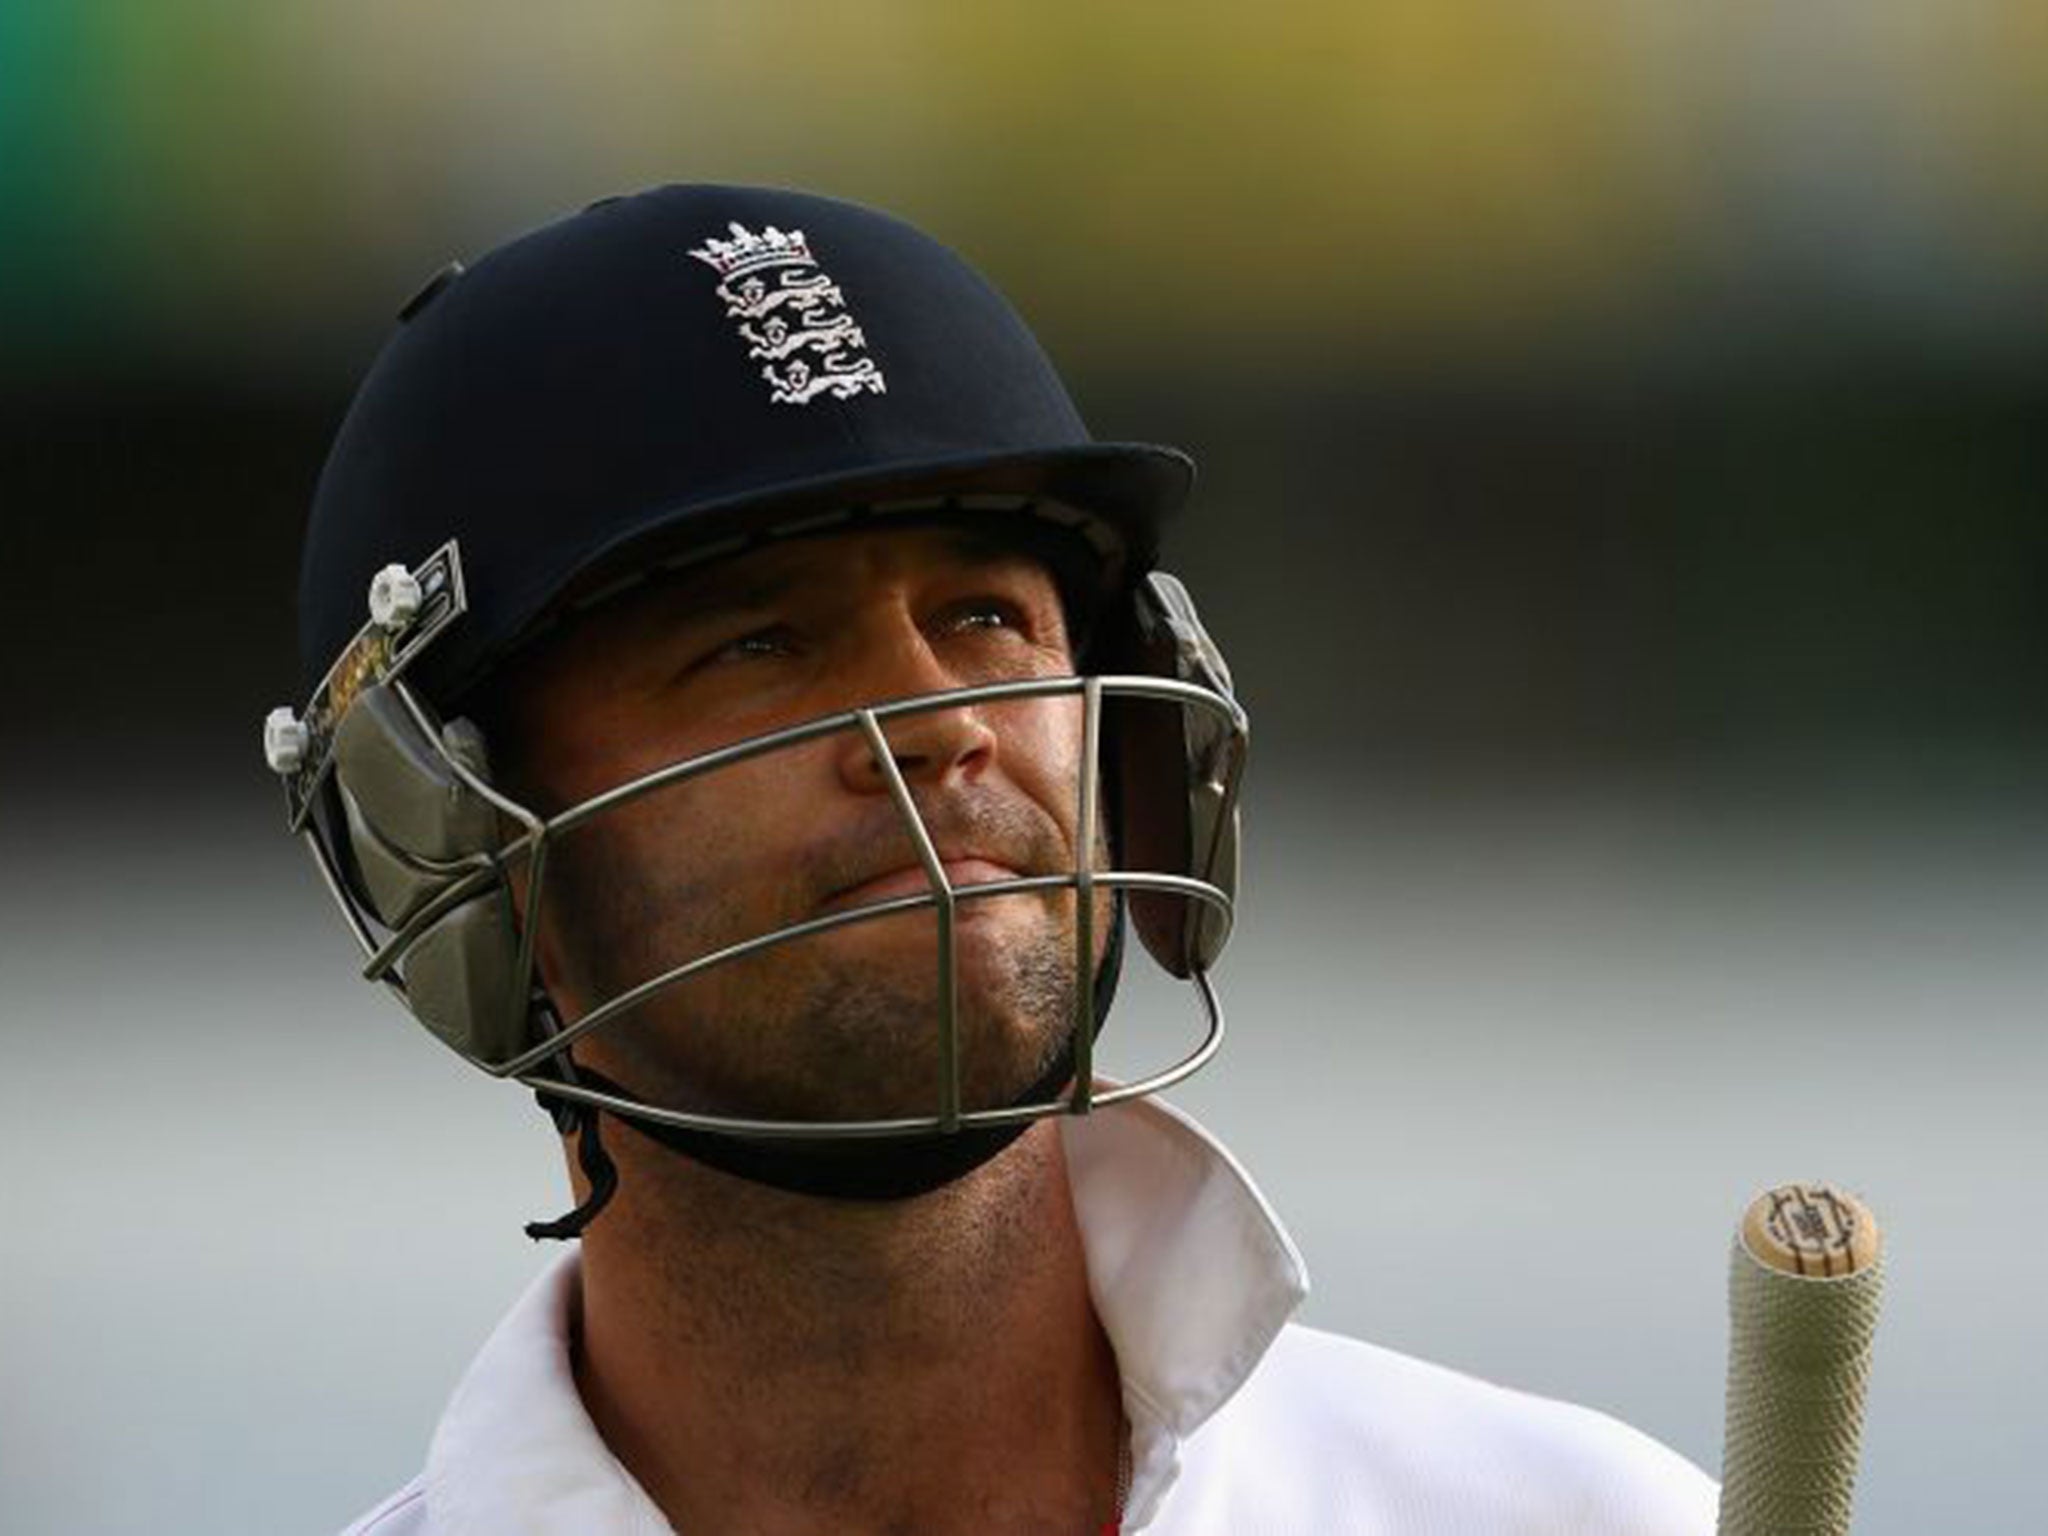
<point x="764" y="1361"/>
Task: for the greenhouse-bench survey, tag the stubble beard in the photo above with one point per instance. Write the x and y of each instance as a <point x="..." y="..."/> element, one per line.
<point x="834" y="1027"/>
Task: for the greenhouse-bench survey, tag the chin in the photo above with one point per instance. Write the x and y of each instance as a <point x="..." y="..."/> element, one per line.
<point x="859" y="1005"/>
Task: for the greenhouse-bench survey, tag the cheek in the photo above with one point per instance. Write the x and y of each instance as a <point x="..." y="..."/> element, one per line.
<point x="716" y="834"/>
<point x="594" y="755"/>
<point x="609" y="743"/>
<point x="667" y="875"/>
<point x="1042" y="752"/>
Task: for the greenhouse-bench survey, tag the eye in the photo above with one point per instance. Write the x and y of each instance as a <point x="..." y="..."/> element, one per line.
<point x="756" y="645"/>
<point x="983" y="613"/>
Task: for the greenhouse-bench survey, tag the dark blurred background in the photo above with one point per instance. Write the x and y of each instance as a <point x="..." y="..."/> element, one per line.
<point x="1621" y="429"/>
<point x="1596" y="385"/>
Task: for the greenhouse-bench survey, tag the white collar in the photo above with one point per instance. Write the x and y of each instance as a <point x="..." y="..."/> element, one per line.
<point x="1191" y="1274"/>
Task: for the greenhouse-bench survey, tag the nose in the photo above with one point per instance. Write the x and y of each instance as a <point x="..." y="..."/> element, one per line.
<point x="933" y="747"/>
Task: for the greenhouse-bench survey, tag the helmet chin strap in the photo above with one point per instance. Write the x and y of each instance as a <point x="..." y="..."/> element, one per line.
<point x="851" y="1168"/>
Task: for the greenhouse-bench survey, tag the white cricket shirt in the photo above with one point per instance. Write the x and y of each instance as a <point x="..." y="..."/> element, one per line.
<point x="1242" y="1424"/>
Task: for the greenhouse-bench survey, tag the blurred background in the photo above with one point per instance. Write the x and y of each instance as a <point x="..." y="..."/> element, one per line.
<point x="1623" y="504"/>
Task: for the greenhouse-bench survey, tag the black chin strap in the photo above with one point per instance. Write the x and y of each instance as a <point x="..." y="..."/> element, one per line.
<point x="598" y="1167"/>
<point x="837" y="1168"/>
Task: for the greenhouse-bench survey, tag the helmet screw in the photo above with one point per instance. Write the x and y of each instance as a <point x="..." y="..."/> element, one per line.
<point x="394" y="598"/>
<point x="285" y="739"/>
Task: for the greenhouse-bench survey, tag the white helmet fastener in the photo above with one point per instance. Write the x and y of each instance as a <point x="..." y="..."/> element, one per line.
<point x="395" y="598"/>
<point x="285" y="739"/>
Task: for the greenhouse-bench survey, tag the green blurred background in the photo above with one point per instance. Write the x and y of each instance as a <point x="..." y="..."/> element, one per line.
<point x="1623" y="503"/>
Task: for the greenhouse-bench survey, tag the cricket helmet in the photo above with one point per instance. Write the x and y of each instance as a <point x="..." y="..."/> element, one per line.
<point x="660" y="381"/>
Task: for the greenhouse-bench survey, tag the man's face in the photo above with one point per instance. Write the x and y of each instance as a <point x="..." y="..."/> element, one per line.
<point x="843" y="1024"/>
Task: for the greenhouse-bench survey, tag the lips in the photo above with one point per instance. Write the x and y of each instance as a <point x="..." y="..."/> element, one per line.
<point x="911" y="880"/>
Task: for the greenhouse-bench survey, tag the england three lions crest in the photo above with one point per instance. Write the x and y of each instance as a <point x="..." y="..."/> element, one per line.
<point x="791" y="315"/>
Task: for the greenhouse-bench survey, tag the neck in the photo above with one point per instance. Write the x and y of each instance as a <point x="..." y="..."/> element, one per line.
<point x="767" y="1362"/>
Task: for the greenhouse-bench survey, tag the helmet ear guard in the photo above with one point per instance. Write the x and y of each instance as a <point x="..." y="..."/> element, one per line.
<point x="1157" y="743"/>
<point x="415" y="826"/>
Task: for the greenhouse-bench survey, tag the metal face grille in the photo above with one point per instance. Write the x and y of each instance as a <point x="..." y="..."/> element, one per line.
<point x="1205" y="713"/>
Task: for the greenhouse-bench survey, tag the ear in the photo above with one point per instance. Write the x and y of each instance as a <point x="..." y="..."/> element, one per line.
<point x="415" y="826"/>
